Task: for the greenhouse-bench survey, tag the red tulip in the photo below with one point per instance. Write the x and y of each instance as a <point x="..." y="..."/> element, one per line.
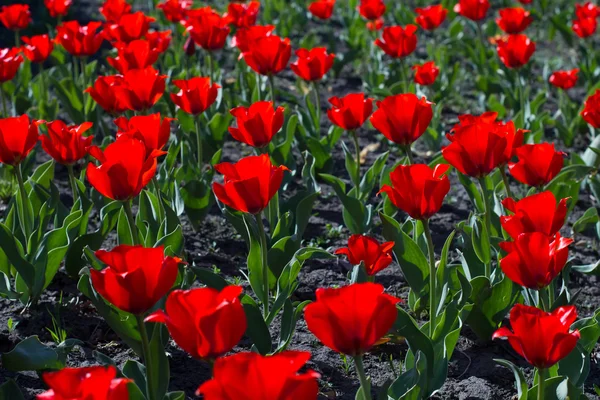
<point x="248" y="184"/>
<point x="268" y="55"/>
<point x="37" y="48"/>
<point x="87" y="383"/>
<point x="536" y="213"/>
<point x="312" y="65"/>
<point x="431" y="17"/>
<point x="375" y="25"/>
<point x="149" y="129"/>
<point x="113" y="10"/>
<point x="124" y="169"/>
<point x="204" y="322"/>
<point x="133" y="55"/>
<point x="80" y="40"/>
<point x="591" y="110"/>
<point x="351" y="319"/>
<point x="15" y="16"/>
<point x="515" y="51"/>
<point x="103" y="92"/>
<point x="58" y="8"/>
<point x="250" y="376"/>
<point x="363" y="249"/>
<point x="426" y="74"/>
<point x="257" y="124"/>
<point x="208" y="29"/>
<point x="397" y="41"/>
<point x="195" y="95"/>
<point x="534" y="259"/>
<point x="17" y="137"/>
<point x="587" y="10"/>
<point x="351" y="111"/>
<point x="140" y="89"/>
<point x="129" y="28"/>
<point x="66" y="144"/>
<point x="244" y="36"/>
<point x="418" y="189"/>
<point x="10" y="61"/>
<point x="175" y="10"/>
<point x="159" y="40"/>
<point x="525" y="1"/>
<point x="564" y="79"/>
<point x="372" y="9"/>
<point x="538" y="164"/>
<point x="322" y="9"/>
<point x="584" y="27"/>
<point x="514" y="20"/>
<point x="474" y="10"/>
<point x="542" y="338"/>
<point x="242" y="15"/>
<point x="402" y="118"/>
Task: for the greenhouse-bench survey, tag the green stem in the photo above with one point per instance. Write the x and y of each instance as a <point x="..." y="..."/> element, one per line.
<point x="4" y="111"/>
<point x="432" y="280"/>
<point x="405" y="83"/>
<point x="17" y="40"/>
<point x="44" y="85"/>
<point x="272" y="87"/>
<point x="488" y="220"/>
<point x="505" y="180"/>
<point x="318" y="107"/>
<point x="131" y="221"/>
<point x="199" y="144"/>
<point x="356" y="177"/>
<point x="258" y="82"/>
<point x="147" y="355"/>
<point x="75" y="71"/>
<point x="209" y="61"/>
<point x="265" y="266"/>
<point x="362" y="377"/>
<point x="73" y="183"/>
<point x="550" y="295"/>
<point x="26" y="222"/>
<point x="521" y="100"/>
<point x="409" y="155"/>
<point x="161" y="205"/>
<point x="541" y="382"/>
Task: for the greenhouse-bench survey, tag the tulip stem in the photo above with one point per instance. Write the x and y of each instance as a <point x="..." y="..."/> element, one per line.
<point x="364" y="382"/>
<point x="17" y="39"/>
<point x="405" y="83"/>
<point x="506" y="184"/>
<point x="73" y="183"/>
<point x="199" y="144"/>
<point x="432" y="279"/>
<point x="356" y="177"/>
<point x="521" y="100"/>
<point x="27" y="223"/>
<point x="146" y="355"/>
<point x="317" y="107"/>
<point x="161" y="205"/>
<point x="488" y="220"/>
<point x="272" y="88"/>
<point x="409" y="154"/>
<point x="265" y="267"/>
<point x="132" y="228"/>
<point x="541" y="382"/>
<point x="4" y="111"/>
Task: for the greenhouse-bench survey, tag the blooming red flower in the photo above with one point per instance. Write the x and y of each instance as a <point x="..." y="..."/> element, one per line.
<point x="140" y="88"/>
<point x="371" y="9"/>
<point x="137" y="54"/>
<point x="135" y="277"/>
<point x="205" y="322"/>
<point x="58" y="8"/>
<point x="113" y="10"/>
<point x="351" y="111"/>
<point x="534" y="259"/>
<point x="397" y="41"/>
<point x="584" y="27"/>
<point x="351" y="319"/>
<point x="249" y="184"/>
<point x="257" y="124"/>
<point x="564" y="79"/>
<point x="37" y="48"/>
<point x="87" y="383"/>
<point x="175" y="10"/>
<point x="591" y="110"/>
<point x="124" y="169"/>
<point x="17" y="137"/>
<point x="129" y="28"/>
<point x="367" y="250"/>
<point x="66" y="144"/>
<point x="195" y="95"/>
<point x="242" y="15"/>
<point x="159" y="40"/>
<point x="536" y="213"/>
<point x="244" y="36"/>
<point x="251" y="376"/>
<point x="474" y="10"/>
<point x="402" y="118"/>
<point x="10" y="61"/>
<point x="322" y="9"/>
<point x="538" y="164"/>
<point x="312" y="65"/>
<point x="80" y="40"/>
<point x="103" y="92"/>
<point x="587" y="10"/>
<point x="208" y="29"/>
<point x="542" y="338"/>
<point x="149" y="129"/>
<point x="515" y="51"/>
<point x="268" y="55"/>
<point x="430" y="17"/>
<point x="418" y="189"/>
<point x="15" y="16"/>
<point x="426" y="74"/>
<point x="514" y="19"/>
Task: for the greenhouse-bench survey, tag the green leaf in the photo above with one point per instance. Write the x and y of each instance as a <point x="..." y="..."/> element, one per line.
<point x="31" y="355"/>
<point x="589" y="217"/>
<point x="160" y="363"/>
<point x="481" y="241"/>
<point x="520" y="381"/>
<point x="257" y="330"/>
<point x="9" y="390"/>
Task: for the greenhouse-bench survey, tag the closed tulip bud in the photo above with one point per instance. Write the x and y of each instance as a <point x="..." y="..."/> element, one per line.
<point x="474" y="10"/>
<point x="66" y="144"/>
<point x="564" y="79"/>
<point x="431" y="17"/>
<point x="514" y="20"/>
<point x="397" y="41"/>
<point x="312" y="65"/>
<point x="371" y="9"/>
<point x="322" y="9"/>
<point x="366" y="250"/>
<point x="85" y="383"/>
<point x="538" y="164"/>
<point x="18" y="136"/>
<point x="257" y="124"/>
<point x="195" y="95"/>
<point x="351" y="111"/>
<point x="15" y="16"/>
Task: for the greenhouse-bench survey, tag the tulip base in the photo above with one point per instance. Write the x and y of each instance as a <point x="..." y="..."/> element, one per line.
<point x="541" y="382"/>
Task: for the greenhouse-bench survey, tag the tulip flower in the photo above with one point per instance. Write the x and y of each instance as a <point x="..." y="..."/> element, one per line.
<point x="351" y="111"/>
<point x="257" y="124"/>
<point x="140" y="89"/>
<point x="10" y="61"/>
<point x="397" y="41"/>
<point x="591" y="109"/>
<point x="251" y="376"/>
<point x="372" y="10"/>
<point x="195" y="95"/>
<point x="475" y="10"/>
<point x="104" y="93"/>
<point x="564" y="79"/>
<point x="113" y="10"/>
<point x="312" y="65"/>
<point x="204" y="322"/>
<point x="149" y="129"/>
<point x="137" y="54"/>
<point x="587" y="10"/>
<point x="534" y="259"/>
<point x="130" y="27"/>
<point x="514" y="20"/>
<point x="80" y="40"/>
<point x="37" y="48"/>
<point x="175" y="10"/>
<point x="99" y="382"/>
<point x="536" y="213"/>
<point x="368" y="252"/>
<point x="58" y="8"/>
<point x="208" y="29"/>
<point x="242" y="15"/>
<point x="244" y="36"/>
<point x="159" y="40"/>
<point x="66" y="144"/>
<point x="538" y="164"/>
<point x="426" y="74"/>
<point x="515" y="51"/>
<point x="584" y="27"/>
<point x="322" y="9"/>
<point x="15" y="17"/>
<point x="18" y="136"/>
<point x="431" y="17"/>
<point x="268" y="55"/>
